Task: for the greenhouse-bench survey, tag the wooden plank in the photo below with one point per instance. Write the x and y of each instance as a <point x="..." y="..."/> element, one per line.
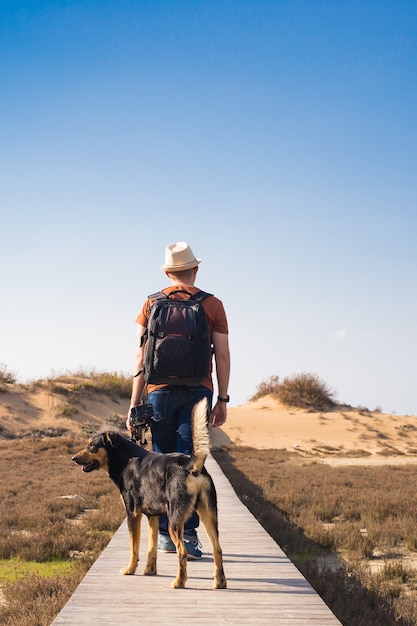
<point x="263" y="585"/>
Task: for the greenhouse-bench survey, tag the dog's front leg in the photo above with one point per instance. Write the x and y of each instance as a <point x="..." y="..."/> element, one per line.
<point x="153" y="523"/>
<point x="133" y="524"/>
<point x="177" y="536"/>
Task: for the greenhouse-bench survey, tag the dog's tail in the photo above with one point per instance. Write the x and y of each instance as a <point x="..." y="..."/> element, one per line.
<point x="201" y="438"/>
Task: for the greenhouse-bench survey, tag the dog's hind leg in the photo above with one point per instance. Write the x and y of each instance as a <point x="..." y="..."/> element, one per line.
<point x="150" y="569"/>
<point x="177" y="535"/>
<point x="133" y="525"/>
<point x="208" y="516"/>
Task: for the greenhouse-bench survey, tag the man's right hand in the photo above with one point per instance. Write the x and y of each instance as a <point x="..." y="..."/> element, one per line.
<point x="129" y="425"/>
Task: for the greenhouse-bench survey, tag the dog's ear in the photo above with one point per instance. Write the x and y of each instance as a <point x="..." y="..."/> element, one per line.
<point x="112" y="439"/>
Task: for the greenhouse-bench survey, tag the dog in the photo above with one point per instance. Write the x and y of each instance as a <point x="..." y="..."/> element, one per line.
<point x="152" y="483"/>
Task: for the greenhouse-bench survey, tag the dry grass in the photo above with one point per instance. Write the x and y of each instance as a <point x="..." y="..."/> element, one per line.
<point x="365" y="515"/>
<point x="6" y="375"/>
<point x="72" y="383"/>
<point x="48" y="541"/>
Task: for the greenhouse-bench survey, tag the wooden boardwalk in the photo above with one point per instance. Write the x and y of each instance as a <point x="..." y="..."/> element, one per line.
<point x="264" y="587"/>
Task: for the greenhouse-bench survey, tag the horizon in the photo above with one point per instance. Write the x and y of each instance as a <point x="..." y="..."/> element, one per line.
<point x="15" y="379"/>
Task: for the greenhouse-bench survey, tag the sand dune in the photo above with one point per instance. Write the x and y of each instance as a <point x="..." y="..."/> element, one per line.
<point x="24" y="408"/>
<point x="344" y="433"/>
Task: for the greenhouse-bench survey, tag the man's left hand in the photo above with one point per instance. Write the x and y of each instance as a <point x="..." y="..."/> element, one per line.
<point x="218" y="415"/>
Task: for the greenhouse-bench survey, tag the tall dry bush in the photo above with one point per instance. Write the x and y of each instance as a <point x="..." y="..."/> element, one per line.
<point x="304" y="391"/>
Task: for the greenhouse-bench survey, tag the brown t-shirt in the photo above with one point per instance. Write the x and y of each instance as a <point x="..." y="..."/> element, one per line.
<point x="215" y="315"/>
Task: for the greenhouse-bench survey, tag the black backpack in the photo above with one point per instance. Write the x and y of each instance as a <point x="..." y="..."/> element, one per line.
<point x="178" y="349"/>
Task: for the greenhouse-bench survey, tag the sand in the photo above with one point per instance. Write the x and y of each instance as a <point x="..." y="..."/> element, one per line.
<point x="344" y="435"/>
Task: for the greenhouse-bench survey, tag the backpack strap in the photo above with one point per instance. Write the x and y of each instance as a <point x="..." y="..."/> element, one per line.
<point x="160" y="295"/>
<point x="201" y="295"/>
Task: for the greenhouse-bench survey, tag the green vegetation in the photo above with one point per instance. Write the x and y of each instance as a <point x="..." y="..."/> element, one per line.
<point x="16" y="569"/>
<point x="304" y="391"/>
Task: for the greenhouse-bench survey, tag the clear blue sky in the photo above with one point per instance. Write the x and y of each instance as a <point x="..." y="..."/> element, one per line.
<point x="279" y="138"/>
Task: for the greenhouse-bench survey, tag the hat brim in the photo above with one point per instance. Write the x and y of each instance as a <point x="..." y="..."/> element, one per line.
<point x="181" y="268"/>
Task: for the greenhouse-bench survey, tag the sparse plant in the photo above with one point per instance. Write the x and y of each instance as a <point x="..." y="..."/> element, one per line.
<point x="6" y="375"/>
<point x="267" y="387"/>
<point x="68" y="410"/>
<point x="109" y="383"/>
<point x="397" y="572"/>
<point x="117" y="421"/>
<point x="88" y="429"/>
<point x="72" y="383"/>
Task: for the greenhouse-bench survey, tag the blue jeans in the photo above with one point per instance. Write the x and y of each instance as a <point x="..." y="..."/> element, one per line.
<point x="171" y="431"/>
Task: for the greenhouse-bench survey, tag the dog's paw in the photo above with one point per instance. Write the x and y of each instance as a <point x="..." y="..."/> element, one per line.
<point x="178" y="584"/>
<point x="220" y="584"/>
<point x="128" y="571"/>
<point x="149" y="571"/>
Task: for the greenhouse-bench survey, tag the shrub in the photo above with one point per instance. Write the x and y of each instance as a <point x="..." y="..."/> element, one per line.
<point x="267" y="388"/>
<point x="397" y="572"/>
<point x="68" y="410"/>
<point x="304" y="391"/>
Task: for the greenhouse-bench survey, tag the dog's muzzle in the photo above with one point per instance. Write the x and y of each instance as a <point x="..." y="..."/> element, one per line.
<point x="88" y="467"/>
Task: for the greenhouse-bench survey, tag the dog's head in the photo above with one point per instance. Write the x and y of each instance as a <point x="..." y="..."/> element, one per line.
<point x="96" y="455"/>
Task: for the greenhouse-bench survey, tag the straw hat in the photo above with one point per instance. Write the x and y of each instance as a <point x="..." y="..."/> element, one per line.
<point x="179" y="257"/>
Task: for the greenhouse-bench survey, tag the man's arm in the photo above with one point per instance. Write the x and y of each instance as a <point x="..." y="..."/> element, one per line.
<point x="138" y="379"/>
<point x="222" y="359"/>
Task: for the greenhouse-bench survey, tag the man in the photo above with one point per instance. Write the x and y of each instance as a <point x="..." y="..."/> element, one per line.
<point x="173" y="404"/>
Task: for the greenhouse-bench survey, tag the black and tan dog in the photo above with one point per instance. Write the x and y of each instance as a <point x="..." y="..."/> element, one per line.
<point x="151" y="484"/>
